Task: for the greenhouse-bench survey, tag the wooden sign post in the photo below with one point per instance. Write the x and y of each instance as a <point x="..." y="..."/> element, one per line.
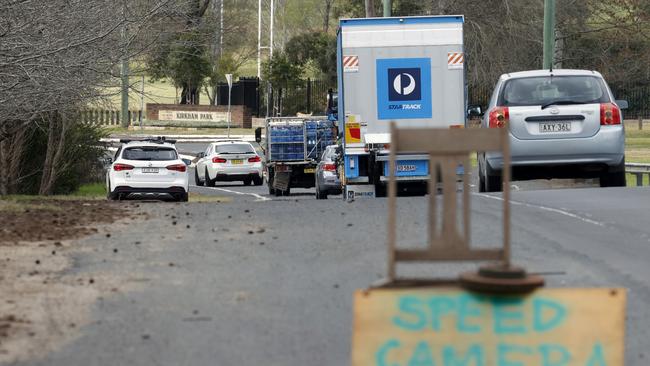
<point x="505" y="319"/>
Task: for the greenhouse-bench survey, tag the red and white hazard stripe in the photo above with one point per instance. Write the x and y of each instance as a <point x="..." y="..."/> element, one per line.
<point x="350" y="61"/>
<point x="455" y="58"/>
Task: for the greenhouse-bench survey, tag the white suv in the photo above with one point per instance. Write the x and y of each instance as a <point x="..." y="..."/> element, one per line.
<point x="150" y="167"/>
<point x="229" y="161"/>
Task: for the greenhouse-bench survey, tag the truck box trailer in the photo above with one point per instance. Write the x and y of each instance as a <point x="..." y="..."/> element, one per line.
<point x="293" y="147"/>
<point x="407" y="70"/>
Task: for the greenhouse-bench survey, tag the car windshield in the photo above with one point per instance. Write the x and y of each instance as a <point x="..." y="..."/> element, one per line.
<point x="149" y="153"/>
<point x="234" y="149"/>
<point x="546" y="90"/>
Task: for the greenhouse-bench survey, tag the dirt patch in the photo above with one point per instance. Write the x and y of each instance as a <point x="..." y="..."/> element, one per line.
<point x="36" y="220"/>
<point x="42" y="307"/>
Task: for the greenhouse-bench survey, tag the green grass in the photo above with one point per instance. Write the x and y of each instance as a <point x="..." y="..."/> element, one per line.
<point x="197" y="197"/>
<point x="161" y="92"/>
<point x="23" y="202"/>
<point x="631" y="180"/>
<point x="637" y="143"/>
<point x="93" y="190"/>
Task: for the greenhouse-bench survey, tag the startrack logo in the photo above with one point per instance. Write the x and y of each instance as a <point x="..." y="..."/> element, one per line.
<point x="404" y="84"/>
<point x="403" y="88"/>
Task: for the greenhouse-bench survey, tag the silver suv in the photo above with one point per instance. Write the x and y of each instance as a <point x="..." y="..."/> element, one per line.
<point x="563" y="124"/>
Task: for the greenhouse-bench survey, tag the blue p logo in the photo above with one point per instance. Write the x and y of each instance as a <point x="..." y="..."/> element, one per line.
<point x="404" y="84"/>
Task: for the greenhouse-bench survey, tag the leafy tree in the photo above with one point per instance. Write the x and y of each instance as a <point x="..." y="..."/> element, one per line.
<point x="183" y="53"/>
<point x="188" y="66"/>
<point x="316" y="47"/>
<point x="281" y="72"/>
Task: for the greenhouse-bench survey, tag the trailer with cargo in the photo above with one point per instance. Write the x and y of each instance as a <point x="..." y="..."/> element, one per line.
<point x="403" y="70"/>
<point x="292" y="149"/>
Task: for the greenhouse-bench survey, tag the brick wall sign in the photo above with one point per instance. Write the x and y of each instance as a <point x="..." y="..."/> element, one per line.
<point x="199" y="116"/>
<point x="452" y="327"/>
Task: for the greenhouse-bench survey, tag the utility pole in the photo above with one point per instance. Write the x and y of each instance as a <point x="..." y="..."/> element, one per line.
<point x="549" y="33"/>
<point x="124" y="71"/>
<point x="259" y="39"/>
<point x="387" y="8"/>
<point x="272" y="21"/>
<point x="229" y="80"/>
<point x="269" y="89"/>
<point x="220" y="28"/>
<point x="141" y="101"/>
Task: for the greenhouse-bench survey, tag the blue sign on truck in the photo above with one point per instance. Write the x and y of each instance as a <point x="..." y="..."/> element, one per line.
<point x="403" y="88"/>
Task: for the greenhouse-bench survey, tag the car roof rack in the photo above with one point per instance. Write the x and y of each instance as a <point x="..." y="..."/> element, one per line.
<point x="155" y="140"/>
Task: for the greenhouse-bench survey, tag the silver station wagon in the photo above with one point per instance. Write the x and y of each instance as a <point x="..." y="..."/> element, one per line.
<point x="563" y="124"/>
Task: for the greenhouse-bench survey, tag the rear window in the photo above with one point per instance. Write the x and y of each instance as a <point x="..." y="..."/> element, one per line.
<point x="546" y="89"/>
<point x="329" y="154"/>
<point x="234" y="149"/>
<point x="149" y="153"/>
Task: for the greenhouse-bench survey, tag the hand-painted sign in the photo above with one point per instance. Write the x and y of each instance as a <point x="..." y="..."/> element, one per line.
<point x="403" y="88"/>
<point x="166" y="115"/>
<point x="452" y="327"/>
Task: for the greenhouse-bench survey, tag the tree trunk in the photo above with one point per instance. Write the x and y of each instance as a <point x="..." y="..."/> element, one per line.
<point x="326" y="18"/>
<point x="189" y="94"/>
<point x="11" y="154"/>
<point x="15" y="159"/>
<point x="4" y="167"/>
<point x="54" y="153"/>
<point x="370" y="8"/>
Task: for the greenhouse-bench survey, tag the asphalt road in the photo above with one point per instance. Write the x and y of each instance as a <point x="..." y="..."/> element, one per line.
<point x="266" y="280"/>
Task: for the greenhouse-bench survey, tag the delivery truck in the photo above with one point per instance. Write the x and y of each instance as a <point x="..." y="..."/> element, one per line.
<point x="292" y="149"/>
<point x="407" y="70"/>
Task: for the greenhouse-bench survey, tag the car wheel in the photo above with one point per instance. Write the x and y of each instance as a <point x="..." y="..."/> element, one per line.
<point x="257" y="181"/>
<point x="182" y="197"/>
<point x="269" y="181"/>
<point x="248" y="181"/>
<point x="493" y="181"/>
<point x="381" y="190"/>
<point x="481" y="180"/>
<point x="279" y="192"/>
<point x="208" y="182"/>
<point x="197" y="181"/>
<point x="615" y="178"/>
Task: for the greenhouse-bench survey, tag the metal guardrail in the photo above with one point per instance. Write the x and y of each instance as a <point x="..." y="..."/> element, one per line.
<point x="638" y="170"/>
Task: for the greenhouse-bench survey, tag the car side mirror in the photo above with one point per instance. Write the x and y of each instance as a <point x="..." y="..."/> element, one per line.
<point x="474" y="111"/>
<point x="258" y="135"/>
<point x="623" y="104"/>
<point x="108" y="161"/>
<point x="187" y="162"/>
<point x="200" y="155"/>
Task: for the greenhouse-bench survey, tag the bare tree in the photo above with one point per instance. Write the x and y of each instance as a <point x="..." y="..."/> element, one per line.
<point x="56" y="57"/>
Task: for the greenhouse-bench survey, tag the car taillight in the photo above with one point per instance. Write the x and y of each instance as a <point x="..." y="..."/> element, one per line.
<point x="219" y="160"/>
<point x="609" y="114"/>
<point x="177" y="167"/>
<point x="499" y="117"/>
<point x="329" y="167"/>
<point x="121" y="167"/>
<point x="255" y="159"/>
